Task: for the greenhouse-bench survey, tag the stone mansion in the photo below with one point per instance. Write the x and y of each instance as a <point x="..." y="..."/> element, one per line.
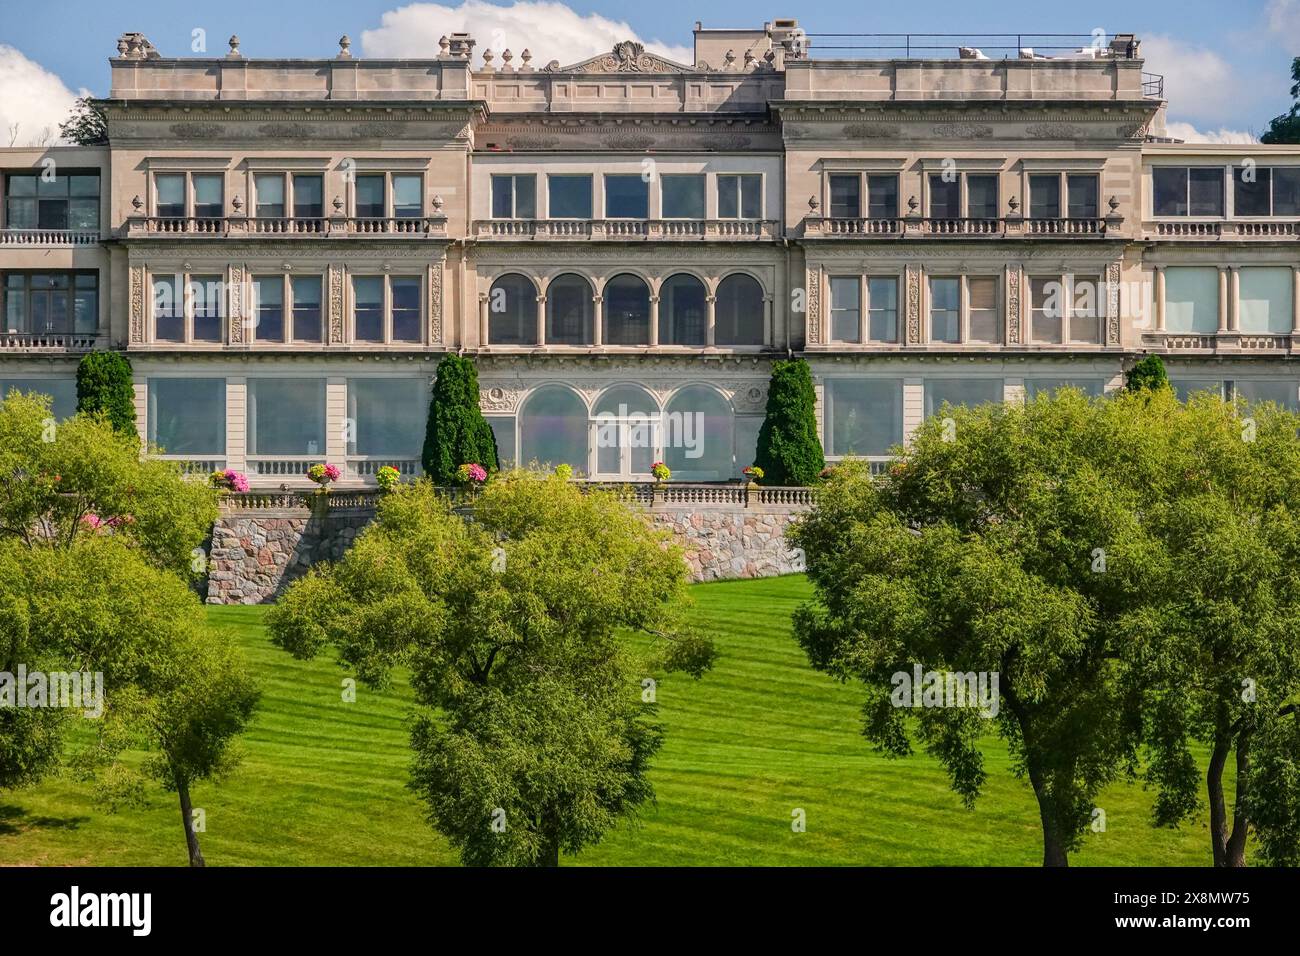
<point x="284" y="248"/>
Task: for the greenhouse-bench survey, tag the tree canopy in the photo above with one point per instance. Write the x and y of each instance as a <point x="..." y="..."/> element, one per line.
<point x="457" y="433"/>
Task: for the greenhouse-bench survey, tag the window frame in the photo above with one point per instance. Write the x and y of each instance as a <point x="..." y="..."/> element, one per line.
<point x="514" y="196"/>
<point x="865" y="192"/>
<point x="386" y="311"/>
<point x="739" y="179"/>
<point x="27" y="290"/>
<point x="188" y="308"/>
<point x="67" y="199"/>
<point x="591" y="195"/>
<point x="865" y="308"/>
<point x="1069" y="285"/>
<point x="964" y="309"/>
<point x="1186" y="169"/>
<point x="702" y="178"/>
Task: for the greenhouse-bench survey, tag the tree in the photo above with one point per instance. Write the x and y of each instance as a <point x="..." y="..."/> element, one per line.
<point x="86" y="125"/>
<point x="1285" y="128"/>
<point x="789" y="451"/>
<point x="532" y="737"/>
<point x="104" y="384"/>
<point x="1148" y="373"/>
<point x="457" y="433"/>
<point x="1001" y="552"/>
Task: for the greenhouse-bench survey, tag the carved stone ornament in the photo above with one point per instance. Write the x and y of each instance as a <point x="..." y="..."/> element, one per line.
<point x="626" y="57"/>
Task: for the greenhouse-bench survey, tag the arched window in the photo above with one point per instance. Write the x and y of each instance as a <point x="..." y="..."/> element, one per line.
<point x="682" y="312"/>
<point x="699" y="435"/>
<point x="553" y="429"/>
<point x="512" y="311"/>
<point x="627" y="311"/>
<point x="568" y="311"/>
<point x="738" y="314"/>
<point x="624" y="429"/>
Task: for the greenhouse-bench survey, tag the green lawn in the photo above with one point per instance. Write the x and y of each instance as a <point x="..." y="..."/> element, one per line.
<point x="322" y="782"/>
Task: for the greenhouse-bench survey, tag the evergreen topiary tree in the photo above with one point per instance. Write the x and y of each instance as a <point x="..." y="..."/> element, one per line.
<point x="1148" y="374"/>
<point x="104" y="385"/>
<point x="457" y="433"/>
<point x="789" y="451"/>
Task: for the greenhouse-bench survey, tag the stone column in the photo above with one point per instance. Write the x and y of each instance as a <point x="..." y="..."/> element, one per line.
<point x="654" y="321"/>
<point x="769" y="320"/>
<point x="236" y="423"/>
<point x="1223" y="298"/>
<point x="1234" y="299"/>
<point x="597" y="320"/>
<point x="913" y="406"/>
<point x="541" y="320"/>
<point x="711" y="311"/>
<point x="1160" y="298"/>
<point x="483" y="318"/>
<point x="338" y="429"/>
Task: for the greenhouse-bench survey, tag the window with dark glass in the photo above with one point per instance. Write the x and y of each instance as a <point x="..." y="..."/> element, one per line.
<point x="882" y="197"/>
<point x="740" y="196"/>
<point x="983" y="323"/>
<point x="1286" y="190"/>
<point x="682" y="196"/>
<point x="627" y="311"/>
<point x="982" y="197"/>
<point x="1205" y="191"/>
<point x="882" y="302"/>
<point x="405" y="291"/>
<point x="1266" y="191"/>
<point x="514" y="196"/>
<point x="169" y="189"/>
<point x="407" y="200"/>
<point x="370" y="197"/>
<point x="368" y="308"/>
<point x="61" y="202"/>
<point x="568" y="197"/>
<point x="208" y="199"/>
<point x="1045" y="197"/>
<point x="168" y="309"/>
<point x="206" y="301"/>
<point x="1081" y="196"/>
<point x="846" y="308"/>
<point x="269" y="188"/>
<point x="268" y="297"/>
<point x="682" y="311"/>
<point x="1046" y="309"/>
<point x="945" y="197"/>
<point x="846" y="197"/>
<point x="307" y="309"/>
<point x="309" y="197"/>
<point x="1169" y="190"/>
<point x="1183" y="191"/>
<point x="626" y="197"/>
<point x="739" y="315"/>
<point x="512" y="311"/>
<point x="51" y="302"/>
<point x="569" y="310"/>
<point x="945" y="310"/>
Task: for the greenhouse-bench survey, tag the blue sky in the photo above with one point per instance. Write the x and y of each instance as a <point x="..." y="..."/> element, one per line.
<point x="1227" y="64"/>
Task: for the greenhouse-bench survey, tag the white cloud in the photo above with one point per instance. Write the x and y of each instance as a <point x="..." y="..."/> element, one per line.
<point x="1283" y="18"/>
<point x="1199" y="84"/>
<point x="33" y="98"/>
<point x="550" y="31"/>
<point x="1190" y="134"/>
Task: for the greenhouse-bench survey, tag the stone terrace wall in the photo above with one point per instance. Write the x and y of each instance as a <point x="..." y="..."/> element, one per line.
<point x="262" y="542"/>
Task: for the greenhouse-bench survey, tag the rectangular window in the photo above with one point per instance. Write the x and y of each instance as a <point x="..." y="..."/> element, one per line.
<point x="268" y="299"/>
<point x="945" y="310"/>
<point x="945" y="197"/>
<point x="682" y="197"/>
<point x="187" y="416"/>
<point x="45" y="303"/>
<point x="308" y="197"/>
<point x="864" y="416"/>
<point x="626" y="197"/>
<point x="882" y="197"/>
<point x="1286" y="190"/>
<point x="1265" y="299"/>
<point x="1045" y="197"/>
<point x="960" y="391"/>
<point x="1192" y="299"/>
<point x="62" y="392"/>
<point x="169" y="189"/>
<point x="408" y="202"/>
<point x="1252" y="190"/>
<point x="168" y="309"/>
<point x="1169" y="188"/>
<point x="368" y="308"/>
<point x="390" y="416"/>
<point x="286" y="416"/>
<point x="740" y="196"/>
<point x="1279" y="391"/>
<point x="1081" y="196"/>
<point x="568" y="197"/>
<point x="514" y="196"/>
<point x="982" y="197"/>
<point x="1086" y="306"/>
<point x="1091" y="387"/>
<point x="882" y="302"/>
<point x="984" y="322"/>
<point x="846" y="197"/>
<point x="307" y="309"/>
<point x="270" y="195"/>
<point x="1046" y="309"/>
<point x="1205" y="191"/>
<point x="64" y="202"/>
<point x="208" y="196"/>
<point x="370" y="197"/>
<point x="406" y="308"/>
<point x="206" y="301"/>
<point x="846" y="308"/>
<point x="1185" y="388"/>
<point x="1182" y="191"/>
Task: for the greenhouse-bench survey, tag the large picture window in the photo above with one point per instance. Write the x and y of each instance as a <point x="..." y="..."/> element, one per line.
<point x="388" y="416"/>
<point x="69" y="201"/>
<point x="512" y="311"/>
<point x="864" y="416"/>
<point x="739" y="311"/>
<point x="626" y="197"/>
<point x="1187" y="191"/>
<point x="569" y="311"/>
<point x="682" y="311"/>
<point x="1191" y="299"/>
<point x="1265" y="299"/>
<point x="62" y="392"/>
<point x="960" y="391"/>
<point x="627" y="311"/>
<point x="286" y="417"/>
<point x="698" y="435"/>
<point x="553" y="429"/>
<point x="44" y="303"/>
<point x="187" y="416"/>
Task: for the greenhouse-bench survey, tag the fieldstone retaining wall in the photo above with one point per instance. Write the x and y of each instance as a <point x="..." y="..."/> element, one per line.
<point x="264" y="541"/>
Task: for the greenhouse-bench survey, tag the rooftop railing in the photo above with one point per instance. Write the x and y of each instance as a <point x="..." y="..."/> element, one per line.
<point x="993" y="46"/>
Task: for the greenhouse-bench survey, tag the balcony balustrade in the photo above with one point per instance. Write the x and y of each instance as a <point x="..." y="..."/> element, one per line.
<point x="48" y="237"/>
<point x="625" y="229"/>
<point x="52" y="341"/>
<point x="1202" y="229"/>
<point x="387" y="227"/>
<point x="929" y="227"/>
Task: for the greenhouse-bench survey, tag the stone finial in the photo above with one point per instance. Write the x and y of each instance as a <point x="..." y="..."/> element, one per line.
<point x="437" y="205"/>
<point x="137" y="203"/>
<point x="488" y="57"/>
<point x="122" y="46"/>
<point x="1113" y="203"/>
<point x="506" y="57"/>
<point x="813" y="203"/>
<point x="1013" y="203"/>
<point x="444" y="45"/>
<point x="345" y="47"/>
<point x="527" y="57"/>
<point x="749" y="59"/>
<point x="234" y="46"/>
<point x="338" y="204"/>
<point x="237" y="203"/>
<point x="730" y="58"/>
<point x="912" y="204"/>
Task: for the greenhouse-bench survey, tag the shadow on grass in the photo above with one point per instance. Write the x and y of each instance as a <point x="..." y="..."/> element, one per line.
<point x="14" y="819"/>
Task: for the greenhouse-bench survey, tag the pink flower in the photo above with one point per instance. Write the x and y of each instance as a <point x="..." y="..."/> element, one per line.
<point x="236" y="480"/>
<point x="332" y="472"/>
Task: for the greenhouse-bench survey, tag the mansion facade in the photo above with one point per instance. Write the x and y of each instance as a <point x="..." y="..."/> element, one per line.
<point x="285" y="248"/>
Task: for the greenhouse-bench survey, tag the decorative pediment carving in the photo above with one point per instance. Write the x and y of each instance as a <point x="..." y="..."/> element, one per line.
<point x="626" y="57"/>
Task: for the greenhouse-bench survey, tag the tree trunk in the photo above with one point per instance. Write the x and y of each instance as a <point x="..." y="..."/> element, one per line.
<point x="1235" y="850"/>
<point x="187" y="818"/>
<point x="1054" y="853"/>
<point x="1214" y="790"/>
<point x="550" y="854"/>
